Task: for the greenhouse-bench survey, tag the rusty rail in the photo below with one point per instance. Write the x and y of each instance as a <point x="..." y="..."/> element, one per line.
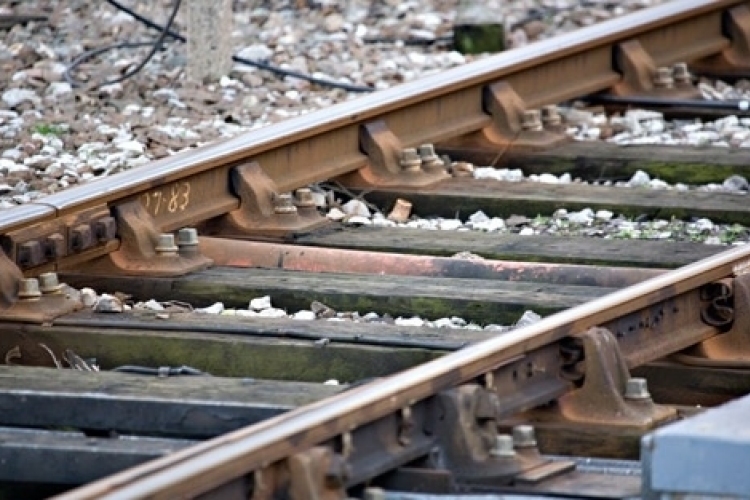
<point x="236" y="182"/>
<point x="220" y="461"/>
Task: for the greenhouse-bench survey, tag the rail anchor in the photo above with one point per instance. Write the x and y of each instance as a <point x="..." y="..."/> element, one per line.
<point x="608" y="403"/>
<point x="315" y="474"/>
<point x="264" y="213"/>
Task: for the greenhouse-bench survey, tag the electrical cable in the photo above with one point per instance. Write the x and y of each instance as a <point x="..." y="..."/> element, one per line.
<point x="156" y="45"/>
<point x="166" y="31"/>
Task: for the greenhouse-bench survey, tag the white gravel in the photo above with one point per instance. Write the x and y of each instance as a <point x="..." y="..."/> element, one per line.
<point x="53" y="136"/>
<point x="261" y="307"/>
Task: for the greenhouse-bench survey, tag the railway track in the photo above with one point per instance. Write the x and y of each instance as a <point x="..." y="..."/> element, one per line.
<point x="627" y="343"/>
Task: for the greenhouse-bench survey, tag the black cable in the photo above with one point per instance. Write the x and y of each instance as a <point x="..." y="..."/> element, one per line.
<point x="162" y="371"/>
<point x="166" y="31"/>
<point x="156" y="45"/>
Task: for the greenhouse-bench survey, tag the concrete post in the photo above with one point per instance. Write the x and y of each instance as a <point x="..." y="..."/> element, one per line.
<point x="209" y="34"/>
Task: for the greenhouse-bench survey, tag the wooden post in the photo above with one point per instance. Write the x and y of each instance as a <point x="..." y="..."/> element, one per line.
<point x="209" y="34"/>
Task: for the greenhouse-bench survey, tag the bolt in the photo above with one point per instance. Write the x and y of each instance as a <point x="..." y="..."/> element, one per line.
<point x="663" y="78"/>
<point x="30" y="254"/>
<point x="81" y="237"/>
<point x="531" y="120"/>
<point x="524" y="436"/>
<point x="503" y="446"/>
<point x="28" y="289"/>
<point x="681" y="74"/>
<point x="637" y="389"/>
<point x="410" y="160"/>
<point x="105" y="228"/>
<point x="187" y="240"/>
<point x="551" y="116"/>
<point x="283" y="204"/>
<point x="49" y="283"/>
<point x="430" y="160"/>
<point x="165" y="244"/>
<point x="305" y="198"/>
<point x="55" y="246"/>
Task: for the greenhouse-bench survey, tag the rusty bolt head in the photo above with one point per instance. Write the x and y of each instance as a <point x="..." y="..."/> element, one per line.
<point x="503" y="447"/>
<point x="531" y="120"/>
<point x="165" y="244"/>
<point x="49" y="283"/>
<point x="430" y="160"/>
<point x="681" y="74"/>
<point x="28" y="289"/>
<point x="30" y="254"/>
<point x="105" y="229"/>
<point x="663" y="78"/>
<point x="55" y="246"/>
<point x="81" y="237"/>
<point x="524" y="436"/>
<point x="551" y="116"/>
<point x="636" y="389"/>
<point x="187" y="237"/>
<point x="410" y="160"/>
<point x="283" y="204"/>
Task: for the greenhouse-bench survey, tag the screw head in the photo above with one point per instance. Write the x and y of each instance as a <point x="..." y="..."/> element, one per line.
<point x="663" y="78"/>
<point x="305" y="198"/>
<point x="49" y="283"/>
<point x="187" y="237"/>
<point x="524" y="436"/>
<point x="28" y="289"/>
<point x="284" y="204"/>
<point x="531" y="120"/>
<point x="636" y="389"/>
<point x="165" y="244"/>
<point x="503" y="446"/>
<point x="410" y="160"/>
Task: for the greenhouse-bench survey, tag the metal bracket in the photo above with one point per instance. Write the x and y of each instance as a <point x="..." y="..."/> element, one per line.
<point x="144" y="251"/>
<point x="733" y="61"/>
<point x="22" y="299"/>
<point x="608" y="403"/>
<point x="389" y="164"/>
<point x="641" y="76"/>
<point x="264" y="213"/>
<point x="513" y="129"/>
<point x="472" y="448"/>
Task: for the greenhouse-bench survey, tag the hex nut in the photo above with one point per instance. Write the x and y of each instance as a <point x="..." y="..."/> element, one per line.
<point x="531" y="120"/>
<point x="28" y="289"/>
<point x="283" y="204"/>
<point x="524" y="436"/>
<point x="166" y="245"/>
<point x="503" y="447"/>
<point x="49" y="283"/>
<point x="410" y="160"/>
<point x="636" y="388"/>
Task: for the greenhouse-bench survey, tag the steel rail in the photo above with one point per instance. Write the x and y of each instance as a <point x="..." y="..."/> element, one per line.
<point x="325" y="143"/>
<point x="218" y="461"/>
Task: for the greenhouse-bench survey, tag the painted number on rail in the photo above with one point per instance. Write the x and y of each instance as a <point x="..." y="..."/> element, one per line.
<point x="170" y="199"/>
